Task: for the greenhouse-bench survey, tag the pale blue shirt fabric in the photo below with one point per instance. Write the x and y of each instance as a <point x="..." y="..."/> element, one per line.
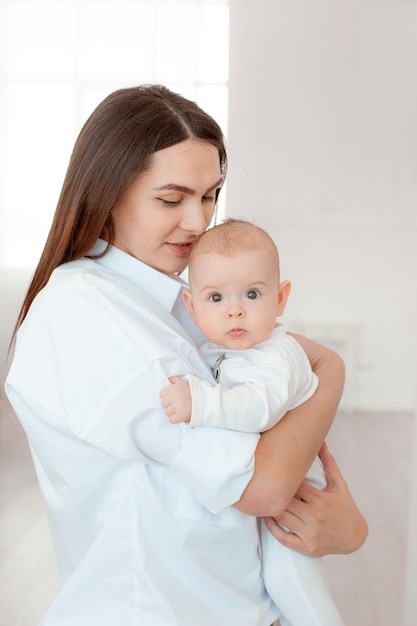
<point x="139" y="509"/>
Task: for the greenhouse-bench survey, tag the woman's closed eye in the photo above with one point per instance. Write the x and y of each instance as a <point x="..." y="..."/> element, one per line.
<point x="167" y="202"/>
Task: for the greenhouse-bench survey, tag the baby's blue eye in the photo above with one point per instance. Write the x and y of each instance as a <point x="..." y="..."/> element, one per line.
<point x="252" y="294"/>
<point x="216" y="297"/>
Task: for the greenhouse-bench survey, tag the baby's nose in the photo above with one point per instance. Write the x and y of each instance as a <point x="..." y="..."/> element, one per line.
<point x="236" y="311"/>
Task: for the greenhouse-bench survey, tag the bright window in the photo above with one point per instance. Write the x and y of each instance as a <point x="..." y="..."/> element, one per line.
<point x="60" y="59"/>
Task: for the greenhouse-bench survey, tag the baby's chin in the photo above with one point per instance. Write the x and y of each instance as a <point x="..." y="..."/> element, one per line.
<point x="243" y="342"/>
<point x="239" y="343"/>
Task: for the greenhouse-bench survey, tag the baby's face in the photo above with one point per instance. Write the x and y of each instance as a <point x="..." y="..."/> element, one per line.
<point x="234" y="300"/>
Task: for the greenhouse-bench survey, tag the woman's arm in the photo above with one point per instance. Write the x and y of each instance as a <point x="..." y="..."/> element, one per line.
<point x="322" y="522"/>
<point x="286" y="451"/>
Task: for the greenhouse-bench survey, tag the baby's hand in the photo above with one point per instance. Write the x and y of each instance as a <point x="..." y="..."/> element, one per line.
<point x="176" y="400"/>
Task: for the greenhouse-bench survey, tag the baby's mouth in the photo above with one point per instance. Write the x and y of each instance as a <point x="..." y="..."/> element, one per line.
<point x="236" y="332"/>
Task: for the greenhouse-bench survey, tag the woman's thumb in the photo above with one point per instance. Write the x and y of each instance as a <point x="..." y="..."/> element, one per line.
<point x="331" y="468"/>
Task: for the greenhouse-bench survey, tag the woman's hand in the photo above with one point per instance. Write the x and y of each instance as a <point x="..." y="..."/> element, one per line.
<point x="322" y="522"/>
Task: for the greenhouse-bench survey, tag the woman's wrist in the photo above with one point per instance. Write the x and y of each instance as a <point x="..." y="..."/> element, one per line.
<point x="321" y="522"/>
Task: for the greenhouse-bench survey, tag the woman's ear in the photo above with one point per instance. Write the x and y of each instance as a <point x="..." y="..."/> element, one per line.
<point x="284" y="290"/>
<point x="188" y="301"/>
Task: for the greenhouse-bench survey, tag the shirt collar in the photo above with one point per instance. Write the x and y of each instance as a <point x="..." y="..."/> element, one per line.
<point x="164" y="288"/>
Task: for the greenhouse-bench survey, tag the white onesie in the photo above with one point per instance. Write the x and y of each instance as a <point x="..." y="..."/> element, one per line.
<point x="256" y="387"/>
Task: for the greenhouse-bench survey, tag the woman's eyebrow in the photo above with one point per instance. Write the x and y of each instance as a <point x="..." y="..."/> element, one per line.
<point x="174" y="187"/>
<point x="183" y="189"/>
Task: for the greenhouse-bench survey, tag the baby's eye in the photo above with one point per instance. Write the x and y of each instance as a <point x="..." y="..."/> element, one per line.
<point x="252" y="294"/>
<point x="215" y="297"/>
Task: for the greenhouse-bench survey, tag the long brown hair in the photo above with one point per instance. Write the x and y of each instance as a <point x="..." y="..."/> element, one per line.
<point x="113" y="148"/>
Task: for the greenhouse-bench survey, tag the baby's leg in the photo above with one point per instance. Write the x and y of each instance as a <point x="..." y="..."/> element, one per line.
<point x="297" y="585"/>
<point x="295" y="582"/>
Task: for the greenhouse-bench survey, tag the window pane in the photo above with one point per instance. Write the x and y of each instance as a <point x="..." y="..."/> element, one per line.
<point x="39" y="141"/>
<point x="214" y="100"/>
<point x="176" y="43"/>
<point x="116" y="42"/>
<point x="213" y="44"/>
<point x="62" y="58"/>
<point x="41" y="42"/>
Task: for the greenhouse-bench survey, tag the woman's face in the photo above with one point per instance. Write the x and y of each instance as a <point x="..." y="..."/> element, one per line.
<point x="169" y="205"/>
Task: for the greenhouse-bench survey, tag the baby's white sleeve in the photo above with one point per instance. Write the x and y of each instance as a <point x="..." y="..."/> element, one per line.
<point x="249" y="407"/>
<point x="257" y="388"/>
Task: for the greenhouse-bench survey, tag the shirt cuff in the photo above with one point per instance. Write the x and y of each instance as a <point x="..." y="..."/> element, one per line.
<point x="216" y="465"/>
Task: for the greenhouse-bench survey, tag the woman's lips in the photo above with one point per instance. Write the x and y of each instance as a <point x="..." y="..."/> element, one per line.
<point x="180" y="249"/>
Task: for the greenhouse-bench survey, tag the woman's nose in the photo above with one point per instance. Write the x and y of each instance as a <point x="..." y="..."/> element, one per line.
<point x="195" y="219"/>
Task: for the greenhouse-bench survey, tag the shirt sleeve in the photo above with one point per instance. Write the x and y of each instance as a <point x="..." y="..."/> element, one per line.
<point x="215" y="464"/>
<point x="216" y="469"/>
<point x="92" y="370"/>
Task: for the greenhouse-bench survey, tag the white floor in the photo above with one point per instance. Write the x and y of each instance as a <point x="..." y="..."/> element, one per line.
<point x="374" y="453"/>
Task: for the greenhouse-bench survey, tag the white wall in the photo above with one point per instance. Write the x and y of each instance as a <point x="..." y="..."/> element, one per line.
<point x="323" y="154"/>
<point x="13" y="285"/>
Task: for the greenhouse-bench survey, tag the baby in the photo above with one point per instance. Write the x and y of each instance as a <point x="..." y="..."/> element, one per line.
<point x="235" y="297"/>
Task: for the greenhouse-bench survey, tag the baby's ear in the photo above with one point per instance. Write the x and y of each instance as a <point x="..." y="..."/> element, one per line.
<point x="283" y="295"/>
<point x="188" y="301"/>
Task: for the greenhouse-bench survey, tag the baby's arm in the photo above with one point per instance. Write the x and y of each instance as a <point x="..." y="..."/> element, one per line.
<point x="244" y="407"/>
<point x="176" y="400"/>
<point x="257" y="396"/>
<point x="241" y="408"/>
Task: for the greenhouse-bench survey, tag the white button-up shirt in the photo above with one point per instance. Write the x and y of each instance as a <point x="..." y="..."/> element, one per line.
<point x="139" y="509"/>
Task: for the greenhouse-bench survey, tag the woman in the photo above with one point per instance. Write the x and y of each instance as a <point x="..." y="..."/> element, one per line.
<point x="153" y="523"/>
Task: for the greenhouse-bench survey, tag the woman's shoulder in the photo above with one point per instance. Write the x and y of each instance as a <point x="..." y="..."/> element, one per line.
<point x="83" y="279"/>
